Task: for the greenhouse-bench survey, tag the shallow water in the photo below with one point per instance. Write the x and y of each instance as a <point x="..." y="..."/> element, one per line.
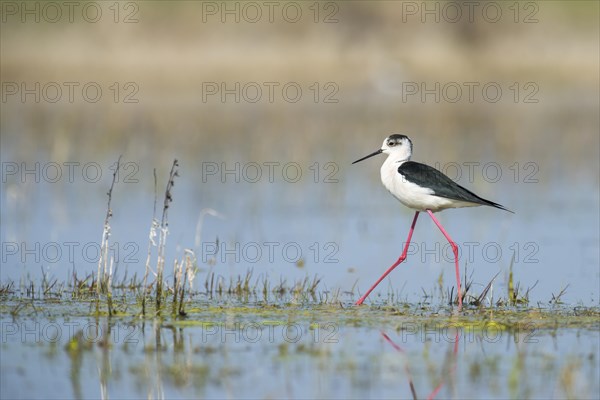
<point x="293" y="230"/>
<point x="296" y="351"/>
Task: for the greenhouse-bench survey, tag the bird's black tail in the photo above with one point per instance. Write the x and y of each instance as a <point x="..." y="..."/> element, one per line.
<point x="496" y="205"/>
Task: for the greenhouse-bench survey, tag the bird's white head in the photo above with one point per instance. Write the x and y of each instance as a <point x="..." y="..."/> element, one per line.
<point x="397" y="146"/>
<point x="400" y="146"/>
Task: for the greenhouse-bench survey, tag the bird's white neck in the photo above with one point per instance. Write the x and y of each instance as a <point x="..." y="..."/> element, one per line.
<point x="397" y="159"/>
<point x="389" y="168"/>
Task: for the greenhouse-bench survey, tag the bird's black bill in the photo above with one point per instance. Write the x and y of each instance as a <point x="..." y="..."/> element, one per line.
<point x="370" y="155"/>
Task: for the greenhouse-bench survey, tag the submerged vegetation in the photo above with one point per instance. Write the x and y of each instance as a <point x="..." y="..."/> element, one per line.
<point x="260" y="297"/>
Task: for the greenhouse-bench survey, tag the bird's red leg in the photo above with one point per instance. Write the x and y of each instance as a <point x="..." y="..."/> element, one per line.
<point x="390" y="269"/>
<point x="455" y="251"/>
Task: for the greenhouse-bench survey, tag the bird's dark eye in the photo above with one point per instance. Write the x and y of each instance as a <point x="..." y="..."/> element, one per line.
<point x="391" y="144"/>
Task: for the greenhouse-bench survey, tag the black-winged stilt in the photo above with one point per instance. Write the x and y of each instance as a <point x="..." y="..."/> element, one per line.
<point x="422" y="188"/>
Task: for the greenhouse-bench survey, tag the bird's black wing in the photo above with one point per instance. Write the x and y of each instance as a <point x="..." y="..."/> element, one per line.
<point x="442" y="186"/>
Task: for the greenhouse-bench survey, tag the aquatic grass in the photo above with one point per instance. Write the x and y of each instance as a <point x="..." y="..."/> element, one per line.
<point x="522" y="323"/>
<point x="151" y="243"/>
<point x="48" y="286"/>
<point x="329" y="297"/>
<point x="556" y="299"/>
<point x="479" y="300"/>
<point x="7" y="289"/>
<point x="105" y="268"/>
<point x="514" y="295"/>
<point x="181" y="276"/>
<point x="247" y="289"/>
<point x="163" y="232"/>
<point x="102" y="275"/>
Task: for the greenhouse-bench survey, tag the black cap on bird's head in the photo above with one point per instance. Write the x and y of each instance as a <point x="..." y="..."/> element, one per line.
<point x="397" y="139"/>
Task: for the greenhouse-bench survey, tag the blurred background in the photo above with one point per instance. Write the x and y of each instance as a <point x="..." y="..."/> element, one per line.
<point x="266" y="106"/>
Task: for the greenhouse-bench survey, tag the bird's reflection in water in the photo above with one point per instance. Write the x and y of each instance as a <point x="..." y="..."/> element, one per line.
<point x="450" y="361"/>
